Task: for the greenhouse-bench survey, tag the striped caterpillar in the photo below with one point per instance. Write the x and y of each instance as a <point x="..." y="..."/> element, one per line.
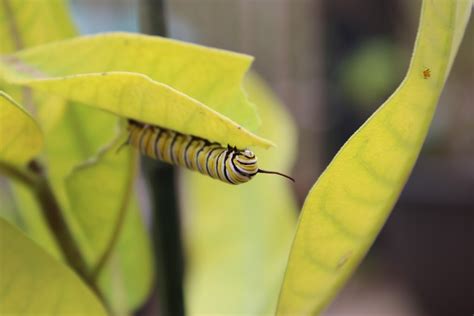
<point x="231" y="165"/>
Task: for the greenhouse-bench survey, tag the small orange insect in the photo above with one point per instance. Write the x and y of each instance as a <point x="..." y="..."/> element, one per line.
<point x="426" y="73"/>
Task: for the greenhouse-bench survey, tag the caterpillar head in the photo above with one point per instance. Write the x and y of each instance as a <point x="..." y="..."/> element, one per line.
<point x="246" y="161"/>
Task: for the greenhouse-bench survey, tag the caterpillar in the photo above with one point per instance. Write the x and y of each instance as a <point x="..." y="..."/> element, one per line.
<point x="231" y="165"/>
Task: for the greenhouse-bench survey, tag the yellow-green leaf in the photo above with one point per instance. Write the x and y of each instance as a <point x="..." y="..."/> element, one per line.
<point x="128" y="276"/>
<point x="8" y="206"/>
<point x="350" y="202"/>
<point x="29" y="218"/>
<point x="29" y="23"/>
<point x="155" y="80"/>
<point x="20" y="136"/>
<point x="211" y="76"/>
<point x="239" y="237"/>
<point x="25" y="24"/>
<point x="136" y="96"/>
<point x="100" y="194"/>
<point x="34" y="283"/>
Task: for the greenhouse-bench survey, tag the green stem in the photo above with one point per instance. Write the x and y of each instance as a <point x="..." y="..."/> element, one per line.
<point x="24" y="176"/>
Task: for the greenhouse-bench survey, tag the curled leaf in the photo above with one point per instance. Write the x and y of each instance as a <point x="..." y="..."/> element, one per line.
<point x="138" y="97"/>
<point x="185" y="87"/>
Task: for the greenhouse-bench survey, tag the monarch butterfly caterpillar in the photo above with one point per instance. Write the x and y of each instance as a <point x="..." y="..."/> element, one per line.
<point x="230" y="164"/>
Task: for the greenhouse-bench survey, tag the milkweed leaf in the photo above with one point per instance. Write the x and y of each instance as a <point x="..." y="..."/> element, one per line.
<point x="34" y="283"/>
<point x="185" y="87"/>
<point x="350" y="202"/>
<point x="20" y="136"/>
<point x="98" y="204"/>
<point x="100" y="194"/>
<point x="29" y="23"/>
<point x="128" y="276"/>
<point x="25" y="24"/>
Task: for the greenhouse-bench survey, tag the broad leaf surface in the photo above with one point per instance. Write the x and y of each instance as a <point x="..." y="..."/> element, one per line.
<point x="29" y="218"/>
<point x="350" y="202"/>
<point x="34" y="283"/>
<point x="211" y="76"/>
<point x="238" y="237"/>
<point x="20" y="136"/>
<point x="100" y="193"/>
<point x="151" y="79"/>
<point x="98" y="203"/>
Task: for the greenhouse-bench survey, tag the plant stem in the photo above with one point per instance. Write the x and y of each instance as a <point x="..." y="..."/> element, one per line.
<point x="23" y="176"/>
<point x="168" y="248"/>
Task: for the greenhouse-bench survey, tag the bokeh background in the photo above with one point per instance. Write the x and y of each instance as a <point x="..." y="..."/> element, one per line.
<point x="332" y="63"/>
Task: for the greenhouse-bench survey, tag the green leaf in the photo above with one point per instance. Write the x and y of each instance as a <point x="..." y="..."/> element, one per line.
<point x="151" y="79"/>
<point x="34" y="283"/>
<point x="8" y="206"/>
<point x="128" y="275"/>
<point x="238" y="237"/>
<point x="100" y="196"/>
<point x="20" y="136"/>
<point x="98" y="202"/>
<point x="25" y="24"/>
<point x="29" y="218"/>
<point x="29" y="23"/>
<point x="350" y="202"/>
